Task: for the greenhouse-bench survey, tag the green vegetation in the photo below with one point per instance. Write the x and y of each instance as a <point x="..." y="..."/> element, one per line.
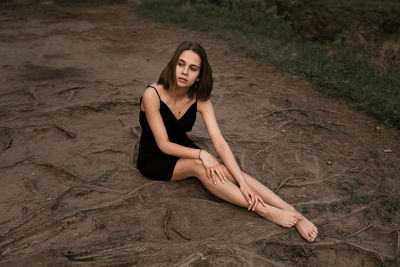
<point x="347" y="49"/>
<point x="89" y="2"/>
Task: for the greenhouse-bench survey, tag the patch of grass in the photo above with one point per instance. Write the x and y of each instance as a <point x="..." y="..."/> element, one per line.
<point x="347" y="49"/>
<point x="89" y="2"/>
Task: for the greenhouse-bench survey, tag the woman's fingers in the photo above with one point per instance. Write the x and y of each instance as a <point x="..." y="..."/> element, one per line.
<point x="209" y="174"/>
<point x="261" y="200"/>
<point x="221" y="175"/>
<point x="216" y="173"/>
<point x="256" y="199"/>
<point x="254" y="202"/>
<point x="214" y="176"/>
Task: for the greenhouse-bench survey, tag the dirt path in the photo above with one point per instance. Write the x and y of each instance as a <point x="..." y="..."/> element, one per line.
<point x="71" y="78"/>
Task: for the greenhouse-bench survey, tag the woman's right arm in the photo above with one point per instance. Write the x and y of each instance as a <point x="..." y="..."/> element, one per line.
<point x="151" y="105"/>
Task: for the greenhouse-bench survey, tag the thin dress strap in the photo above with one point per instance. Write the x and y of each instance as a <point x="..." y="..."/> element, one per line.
<point x="156" y="91"/>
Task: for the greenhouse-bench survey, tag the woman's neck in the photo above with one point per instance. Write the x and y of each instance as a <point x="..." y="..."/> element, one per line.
<point x="178" y="93"/>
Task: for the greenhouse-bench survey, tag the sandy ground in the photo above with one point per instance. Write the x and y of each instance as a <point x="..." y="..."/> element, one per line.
<point x="70" y="82"/>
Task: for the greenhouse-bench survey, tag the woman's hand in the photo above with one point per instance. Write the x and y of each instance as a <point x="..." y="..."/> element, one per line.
<point x="251" y="197"/>
<point x="212" y="167"/>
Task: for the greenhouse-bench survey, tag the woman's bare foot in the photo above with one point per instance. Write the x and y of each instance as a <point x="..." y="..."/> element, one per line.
<point x="281" y="217"/>
<point x="307" y="229"/>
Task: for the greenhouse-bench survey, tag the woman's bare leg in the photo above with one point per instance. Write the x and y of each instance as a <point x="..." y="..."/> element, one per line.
<point x="230" y="192"/>
<point x="306" y="228"/>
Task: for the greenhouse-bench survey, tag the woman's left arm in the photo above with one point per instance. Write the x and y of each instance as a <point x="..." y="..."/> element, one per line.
<point x="225" y="153"/>
<point x="221" y="146"/>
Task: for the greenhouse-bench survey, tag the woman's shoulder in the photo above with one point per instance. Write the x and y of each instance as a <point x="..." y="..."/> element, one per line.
<point x="204" y="105"/>
<point x="151" y="93"/>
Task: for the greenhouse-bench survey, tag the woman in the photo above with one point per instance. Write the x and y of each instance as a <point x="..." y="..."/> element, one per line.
<point x="168" y="111"/>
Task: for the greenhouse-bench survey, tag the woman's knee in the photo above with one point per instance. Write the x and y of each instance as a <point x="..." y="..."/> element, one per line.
<point x="196" y="167"/>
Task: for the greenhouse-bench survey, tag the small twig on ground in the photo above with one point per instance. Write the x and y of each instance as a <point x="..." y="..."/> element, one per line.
<point x="262" y="171"/>
<point x="35" y="95"/>
<point x="65" y="130"/>
<point x="395" y="236"/>
<point x="116" y="162"/>
<point x="69" y="89"/>
<point x="140" y="198"/>
<point x="361" y="230"/>
<point x="122" y="123"/>
<point x="9" y="142"/>
<point x="180" y="233"/>
<point x="134" y="132"/>
<point x="137" y="80"/>
<point x="166" y="223"/>
<point x="70" y="95"/>
<point x="262" y="150"/>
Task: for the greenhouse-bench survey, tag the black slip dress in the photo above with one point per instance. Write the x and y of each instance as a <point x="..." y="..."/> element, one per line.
<point x="153" y="163"/>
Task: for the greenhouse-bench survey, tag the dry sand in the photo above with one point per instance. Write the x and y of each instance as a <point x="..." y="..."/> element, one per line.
<point x="70" y="82"/>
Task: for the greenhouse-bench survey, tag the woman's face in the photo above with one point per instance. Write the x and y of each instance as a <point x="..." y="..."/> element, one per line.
<point x="187" y="69"/>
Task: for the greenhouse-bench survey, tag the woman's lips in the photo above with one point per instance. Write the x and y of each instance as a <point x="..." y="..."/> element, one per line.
<point x="182" y="80"/>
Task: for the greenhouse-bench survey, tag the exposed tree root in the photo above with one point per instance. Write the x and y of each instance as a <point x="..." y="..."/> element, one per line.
<point x="108" y="150"/>
<point x="95" y="106"/>
<point x="328" y="111"/>
<point x="135" y="132"/>
<point x="14" y="235"/>
<point x="58" y="167"/>
<point x="303" y="111"/>
<point x="311" y="124"/>
<point x="338" y="218"/>
<point x="65" y="130"/>
<point x="16" y="163"/>
<point x="335" y="243"/>
<point x="20" y="201"/>
<point x="17" y="91"/>
<point x="283" y="183"/>
<point x="361" y="230"/>
<point x="321" y="202"/>
<point x="165" y="223"/>
<point x="306" y="183"/>
<point x="89" y="187"/>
